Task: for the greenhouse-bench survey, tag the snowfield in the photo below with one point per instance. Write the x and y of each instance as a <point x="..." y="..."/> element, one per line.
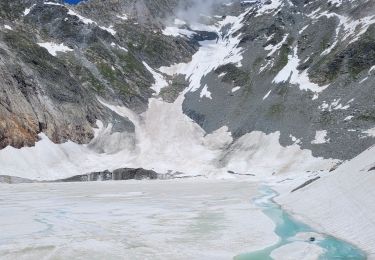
<point x="139" y="220"/>
<point x="340" y="203"/>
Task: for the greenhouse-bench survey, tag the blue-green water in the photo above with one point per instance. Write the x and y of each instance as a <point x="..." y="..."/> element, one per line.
<point x="73" y="1"/>
<point x="287" y="228"/>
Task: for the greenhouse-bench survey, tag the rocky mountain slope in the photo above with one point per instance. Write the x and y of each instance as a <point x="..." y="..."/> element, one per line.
<point x="307" y="71"/>
<point x="301" y="69"/>
<point x="54" y="62"/>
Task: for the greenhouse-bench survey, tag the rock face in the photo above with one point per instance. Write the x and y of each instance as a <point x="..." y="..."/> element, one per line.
<point x="137" y="174"/>
<point x="330" y="87"/>
<point x="117" y="175"/>
<point x="57" y="93"/>
<point x="13" y="180"/>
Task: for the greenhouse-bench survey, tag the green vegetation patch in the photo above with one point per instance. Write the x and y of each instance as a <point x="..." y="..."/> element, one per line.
<point x="234" y="74"/>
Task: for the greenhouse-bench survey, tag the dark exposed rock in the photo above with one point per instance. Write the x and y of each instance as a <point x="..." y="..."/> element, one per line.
<point x="137" y="174"/>
<point x="95" y="176"/>
<point x="117" y="175"/>
<point x="335" y="167"/>
<point x="306" y="184"/>
<point x="14" y="180"/>
<point x="240" y="174"/>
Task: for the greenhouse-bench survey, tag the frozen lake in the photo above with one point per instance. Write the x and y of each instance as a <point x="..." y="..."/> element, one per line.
<point x="297" y="240"/>
<point x="132" y="220"/>
<point x="155" y="220"/>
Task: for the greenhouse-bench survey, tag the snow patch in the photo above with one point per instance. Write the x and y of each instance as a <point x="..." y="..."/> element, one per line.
<point x="320" y="137"/>
<point x="212" y="53"/>
<point x="369" y="132"/>
<point x="108" y="29"/>
<point x="267" y="95"/>
<point x="290" y="73"/>
<point x="298" y="250"/>
<point x="123" y="17"/>
<point x="28" y="10"/>
<point x="80" y="17"/>
<point x="262" y="155"/>
<point x="160" y="82"/>
<point x="118" y="46"/>
<point x="274" y="48"/>
<point x="335" y="105"/>
<point x="205" y="92"/>
<point x="52" y="3"/>
<point x="54" y="48"/>
<point x="235" y="89"/>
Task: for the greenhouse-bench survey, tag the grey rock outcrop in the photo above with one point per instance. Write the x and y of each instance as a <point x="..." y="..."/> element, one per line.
<point x="117" y="175"/>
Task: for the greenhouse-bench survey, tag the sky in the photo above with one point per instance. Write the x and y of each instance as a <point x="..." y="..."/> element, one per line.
<point x="73" y="1"/>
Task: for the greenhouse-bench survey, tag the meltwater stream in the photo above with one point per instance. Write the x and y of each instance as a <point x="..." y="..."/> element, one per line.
<point x="289" y="230"/>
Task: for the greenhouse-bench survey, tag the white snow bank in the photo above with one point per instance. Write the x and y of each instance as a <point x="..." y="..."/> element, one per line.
<point x="86" y="20"/>
<point x="297" y="250"/>
<point x="341" y="203"/>
<point x="275" y="48"/>
<point x="160" y="82"/>
<point x="54" y="48"/>
<point x="290" y="73"/>
<point x="262" y="155"/>
<point x="123" y="17"/>
<point x="28" y="10"/>
<point x="320" y="137"/>
<point x="108" y="29"/>
<point x="235" y="89"/>
<point x="52" y="3"/>
<point x="267" y="95"/>
<point x="370" y="132"/>
<point x="80" y="17"/>
<point x="205" y="92"/>
<point x="335" y="105"/>
<point x="167" y="140"/>
<point x="118" y="46"/>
